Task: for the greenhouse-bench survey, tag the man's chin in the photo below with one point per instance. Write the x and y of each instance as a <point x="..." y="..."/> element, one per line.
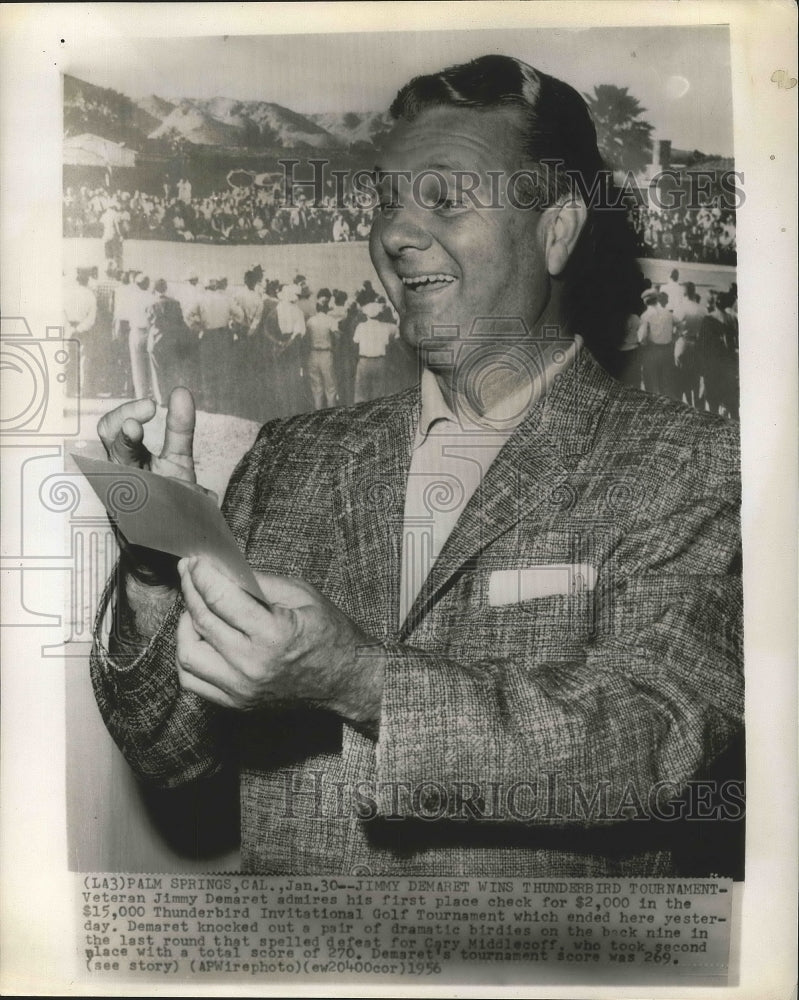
<point x="414" y="330"/>
<point x="423" y="331"/>
<point x="431" y="339"/>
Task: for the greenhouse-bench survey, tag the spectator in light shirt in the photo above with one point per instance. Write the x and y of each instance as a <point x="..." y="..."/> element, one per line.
<point x="80" y="313"/>
<point x="321" y="333"/>
<point x="216" y="345"/>
<point x="656" y="334"/>
<point x="372" y="337"/>
<point x="140" y="364"/>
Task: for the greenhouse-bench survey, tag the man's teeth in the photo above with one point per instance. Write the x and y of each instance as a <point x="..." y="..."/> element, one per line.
<point x="427" y="279"/>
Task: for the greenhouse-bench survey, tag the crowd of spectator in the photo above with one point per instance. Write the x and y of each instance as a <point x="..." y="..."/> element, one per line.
<point x="255" y="215"/>
<point x="262" y="348"/>
<point x="683" y="343"/>
<point x="258" y="350"/>
<point x="698" y="235"/>
<point x="261" y="215"/>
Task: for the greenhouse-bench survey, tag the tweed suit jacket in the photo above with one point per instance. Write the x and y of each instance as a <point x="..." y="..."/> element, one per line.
<point x="550" y="735"/>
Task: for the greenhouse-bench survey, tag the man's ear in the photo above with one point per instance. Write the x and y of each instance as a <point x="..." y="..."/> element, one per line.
<point x="563" y="222"/>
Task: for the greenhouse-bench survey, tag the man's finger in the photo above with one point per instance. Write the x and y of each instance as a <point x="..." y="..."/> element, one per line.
<point x="128" y="446"/>
<point x="223" y="597"/>
<point x="110" y="423"/>
<point x="227" y="638"/>
<point x="286" y="591"/>
<point x="190" y="682"/>
<point x="186" y="634"/>
<point x="180" y="418"/>
<point x="200" y="667"/>
<point x="197" y="656"/>
<point x="121" y="432"/>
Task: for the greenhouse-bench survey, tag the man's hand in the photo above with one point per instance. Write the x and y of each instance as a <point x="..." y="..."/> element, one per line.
<point x="238" y="653"/>
<point x="122" y="433"/>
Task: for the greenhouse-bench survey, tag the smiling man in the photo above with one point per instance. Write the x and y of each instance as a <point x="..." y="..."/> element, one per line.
<point x="500" y="630"/>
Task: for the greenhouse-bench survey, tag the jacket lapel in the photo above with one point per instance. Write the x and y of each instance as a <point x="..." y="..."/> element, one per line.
<point x="371" y="506"/>
<point x="529" y="476"/>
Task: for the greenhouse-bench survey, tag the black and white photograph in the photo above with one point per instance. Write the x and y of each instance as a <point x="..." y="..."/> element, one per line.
<point x="512" y="588"/>
<point x="377" y="497"/>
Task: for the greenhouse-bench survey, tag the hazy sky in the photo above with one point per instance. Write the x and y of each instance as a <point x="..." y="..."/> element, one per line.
<point x="681" y="75"/>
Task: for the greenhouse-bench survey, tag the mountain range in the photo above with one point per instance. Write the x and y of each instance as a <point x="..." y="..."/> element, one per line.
<point x="227" y="123"/>
<point x="216" y="121"/>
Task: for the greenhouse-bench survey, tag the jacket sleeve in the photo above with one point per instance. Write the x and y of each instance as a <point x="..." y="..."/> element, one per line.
<point x="652" y="698"/>
<point x="168" y="736"/>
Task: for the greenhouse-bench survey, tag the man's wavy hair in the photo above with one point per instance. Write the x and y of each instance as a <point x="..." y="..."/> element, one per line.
<point x="602" y="280"/>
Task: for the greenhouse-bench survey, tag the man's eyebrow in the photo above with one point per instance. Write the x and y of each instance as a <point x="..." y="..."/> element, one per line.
<point x="450" y="165"/>
<point x="453" y="165"/>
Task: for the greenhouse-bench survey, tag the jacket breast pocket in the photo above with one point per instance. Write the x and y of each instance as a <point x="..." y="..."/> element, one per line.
<point x="554" y="614"/>
<point x="526" y="583"/>
<point x="546" y="628"/>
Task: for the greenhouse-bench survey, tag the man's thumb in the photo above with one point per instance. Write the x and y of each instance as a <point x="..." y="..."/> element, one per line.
<point x="179" y="435"/>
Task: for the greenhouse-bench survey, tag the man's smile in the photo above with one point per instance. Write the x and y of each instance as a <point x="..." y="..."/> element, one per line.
<point x="433" y="281"/>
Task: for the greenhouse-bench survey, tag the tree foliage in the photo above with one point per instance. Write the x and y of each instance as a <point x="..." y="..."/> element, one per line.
<point x="104" y="112"/>
<point x="623" y="137"/>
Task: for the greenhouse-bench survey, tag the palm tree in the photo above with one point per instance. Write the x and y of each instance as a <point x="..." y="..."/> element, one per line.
<point x="624" y="140"/>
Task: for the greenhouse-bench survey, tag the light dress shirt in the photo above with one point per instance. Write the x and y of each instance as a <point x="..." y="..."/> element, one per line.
<point x="372" y="337"/>
<point x="451" y="454"/>
<point x="656" y="326"/>
<point x="290" y="319"/>
<point x="80" y="309"/>
<point x="320" y="329"/>
<point x="215" y="310"/>
<point x="676" y="296"/>
<point x="631" y="325"/>
<point x="247" y="307"/>
<point x="138" y="304"/>
<point x="189" y="297"/>
<point x="693" y="315"/>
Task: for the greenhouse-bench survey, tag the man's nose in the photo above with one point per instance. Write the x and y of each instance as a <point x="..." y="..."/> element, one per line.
<point x="404" y="227"/>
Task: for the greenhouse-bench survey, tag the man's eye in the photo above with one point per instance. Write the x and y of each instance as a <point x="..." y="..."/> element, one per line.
<point x="450" y="205"/>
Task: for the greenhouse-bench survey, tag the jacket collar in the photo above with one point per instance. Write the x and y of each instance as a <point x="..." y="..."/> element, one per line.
<point x="568" y="413"/>
<point x="572" y="409"/>
<point x="527" y="478"/>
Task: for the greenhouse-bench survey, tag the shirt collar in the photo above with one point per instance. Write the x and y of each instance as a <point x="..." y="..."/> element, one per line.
<point x="503" y="418"/>
<point x="434" y="406"/>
